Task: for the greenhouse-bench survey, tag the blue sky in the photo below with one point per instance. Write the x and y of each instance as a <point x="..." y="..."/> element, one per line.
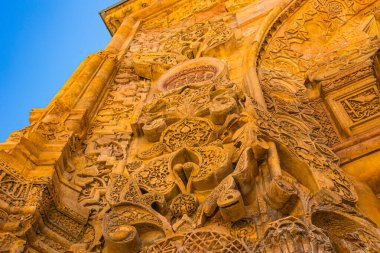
<point x="41" y="44"/>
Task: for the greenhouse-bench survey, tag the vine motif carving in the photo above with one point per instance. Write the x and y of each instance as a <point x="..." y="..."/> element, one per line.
<point x="245" y="229"/>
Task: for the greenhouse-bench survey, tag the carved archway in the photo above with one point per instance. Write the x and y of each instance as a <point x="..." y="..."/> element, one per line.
<point x="308" y="58"/>
<point x="297" y="50"/>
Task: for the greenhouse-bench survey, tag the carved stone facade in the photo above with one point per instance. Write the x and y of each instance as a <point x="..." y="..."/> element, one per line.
<point x="207" y="126"/>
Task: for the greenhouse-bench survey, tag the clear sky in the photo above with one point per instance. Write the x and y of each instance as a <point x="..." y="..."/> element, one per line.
<point x="41" y="44"/>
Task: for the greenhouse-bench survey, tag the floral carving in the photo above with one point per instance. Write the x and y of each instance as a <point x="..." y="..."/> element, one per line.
<point x="190" y="132"/>
<point x="197" y="38"/>
<point x="155" y="176"/>
<point x="184" y="204"/>
<point x="175" y="156"/>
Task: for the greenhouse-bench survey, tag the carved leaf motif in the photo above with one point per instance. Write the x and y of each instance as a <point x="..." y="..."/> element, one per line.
<point x="192" y="132"/>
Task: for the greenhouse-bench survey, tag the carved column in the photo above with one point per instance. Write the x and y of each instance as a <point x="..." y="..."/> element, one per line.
<point x="92" y="94"/>
<point x="81" y="81"/>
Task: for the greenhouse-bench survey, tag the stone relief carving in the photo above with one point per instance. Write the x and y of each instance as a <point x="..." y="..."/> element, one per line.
<point x="177" y="158"/>
<point x="285" y="64"/>
<point x="190" y="42"/>
<point x="363" y="105"/>
<point x="153" y="65"/>
<point x="226" y="173"/>
<point x="85" y="169"/>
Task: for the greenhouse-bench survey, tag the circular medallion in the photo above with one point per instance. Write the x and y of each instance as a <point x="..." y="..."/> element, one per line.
<point x="198" y="72"/>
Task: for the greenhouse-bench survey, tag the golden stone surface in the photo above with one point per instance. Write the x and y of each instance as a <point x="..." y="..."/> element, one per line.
<point x="207" y="126"/>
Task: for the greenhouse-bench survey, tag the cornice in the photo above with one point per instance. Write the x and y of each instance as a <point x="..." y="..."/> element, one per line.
<point x="113" y="15"/>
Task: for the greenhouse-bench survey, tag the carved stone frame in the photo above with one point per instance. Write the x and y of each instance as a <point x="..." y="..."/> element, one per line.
<point x="334" y="101"/>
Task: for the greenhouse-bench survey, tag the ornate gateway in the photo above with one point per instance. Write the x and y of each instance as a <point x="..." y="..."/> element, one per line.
<point x="228" y="126"/>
